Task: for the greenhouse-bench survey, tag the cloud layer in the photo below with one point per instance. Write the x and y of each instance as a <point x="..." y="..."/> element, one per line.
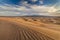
<point x="28" y="9"/>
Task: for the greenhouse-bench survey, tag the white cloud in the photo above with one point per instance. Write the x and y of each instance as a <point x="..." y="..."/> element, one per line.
<point x="34" y="0"/>
<point x="9" y="10"/>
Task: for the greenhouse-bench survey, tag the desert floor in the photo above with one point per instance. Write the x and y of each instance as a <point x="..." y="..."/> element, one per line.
<point x="29" y="28"/>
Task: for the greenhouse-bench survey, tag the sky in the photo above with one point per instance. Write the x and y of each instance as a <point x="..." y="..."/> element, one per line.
<point x="29" y="7"/>
<point x="37" y="2"/>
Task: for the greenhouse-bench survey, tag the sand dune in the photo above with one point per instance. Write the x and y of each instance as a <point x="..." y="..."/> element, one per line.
<point x="29" y="28"/>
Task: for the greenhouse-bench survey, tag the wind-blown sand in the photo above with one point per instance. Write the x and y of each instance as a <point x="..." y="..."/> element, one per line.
<point x="27" y="28"/>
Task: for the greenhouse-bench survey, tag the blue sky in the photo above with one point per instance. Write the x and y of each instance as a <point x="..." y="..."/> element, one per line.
<point x="17" y="2"/>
